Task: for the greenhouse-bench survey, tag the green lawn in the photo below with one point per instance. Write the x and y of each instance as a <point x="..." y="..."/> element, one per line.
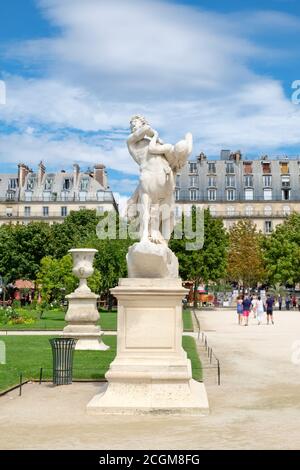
<point x="187" y="320"/>
<point x="55" y="320"/>
<point x="27" y="354"/>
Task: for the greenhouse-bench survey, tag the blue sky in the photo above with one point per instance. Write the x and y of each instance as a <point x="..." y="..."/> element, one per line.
<point x="76" y="71"/>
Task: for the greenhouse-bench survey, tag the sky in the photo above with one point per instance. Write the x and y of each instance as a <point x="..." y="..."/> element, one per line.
<point x="76" y="71"/>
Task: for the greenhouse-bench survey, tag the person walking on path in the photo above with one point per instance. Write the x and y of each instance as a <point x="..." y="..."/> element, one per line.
<point x="260" y="310"/>
<point x="280" y="302"/>
<point x="239" y="310"/>
<point x="254" y="306"/>
<point x="246" y="309"/>
<point x="294" y="302"/>
<point x="269" y="309"/>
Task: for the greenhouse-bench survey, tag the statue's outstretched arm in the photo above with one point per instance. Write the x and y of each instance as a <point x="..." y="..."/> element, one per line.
<point x="158" y="148"/>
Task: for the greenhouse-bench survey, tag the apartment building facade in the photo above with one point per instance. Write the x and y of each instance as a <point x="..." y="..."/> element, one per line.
<point x="28" y="196"/>
<point x="265" y="190"/>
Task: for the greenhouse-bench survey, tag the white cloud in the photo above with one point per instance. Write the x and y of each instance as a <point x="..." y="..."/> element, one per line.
<point x="184" y="68"/>
<point x="31" y="148"/>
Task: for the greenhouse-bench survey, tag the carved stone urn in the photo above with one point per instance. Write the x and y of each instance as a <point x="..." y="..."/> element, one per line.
<point x="82" y="315"/>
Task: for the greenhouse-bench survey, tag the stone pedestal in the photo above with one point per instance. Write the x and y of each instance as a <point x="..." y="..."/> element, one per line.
<point x="151" y="372"/>
<point x="82" y="317"/>
<point x="82" y="314"/>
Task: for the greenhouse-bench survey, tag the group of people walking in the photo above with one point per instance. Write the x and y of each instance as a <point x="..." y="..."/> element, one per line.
<point x="256" y="305"/>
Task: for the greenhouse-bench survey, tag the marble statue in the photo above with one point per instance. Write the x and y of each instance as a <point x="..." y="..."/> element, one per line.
<point x="153" y="199"/>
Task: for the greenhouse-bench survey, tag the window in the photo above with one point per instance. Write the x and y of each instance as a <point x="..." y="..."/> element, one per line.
<point x="27" y="211"/>
<point x="177" y="180"/>
<point x="67" y="184"/>
<point x="46" y="211"/>
<point x="177" y="194"/>
<point x="212" y="194"/>
<point x="193" y="181"/>
<point x="267" y="181"/>
<point x="268" y="226"/>
<point x="30" y="184"/>
<point x="13" y="183"/>
<point x="230" y="211"/>
<point x="230" y="181"/>
<point x="64" y="211"/>
<point x="211" y="168"/>
<point x="230" y="194"/>
<point x="212" y="181"/>
<point x="248" y="180"/>
<point x="286" y="210"/>
<point x="285" y="194"/>
<point x="193" y="167"/>
<point x="284" y="167"/>
<point x="100" y="209"/>
<point x="285" y="181"/>
<point x="11" y="195"/>
<point x="193" y="194"/>
<point x="268" y="211"/>
<point x="266" y="168"/>
<point x="248" y="211"/>
<point x="268" y="194"/>
<point x="48" y="184"/>
<point x="247" y="168"/>
<point x="249" y="195"/>
<point x="229" y="168"/>
<point x="84" y="184"/>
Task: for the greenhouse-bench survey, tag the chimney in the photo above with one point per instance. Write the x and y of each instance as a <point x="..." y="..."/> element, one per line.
<point x="23" y="171"/>
<point x="41" y="172"/>
<point x="76" y="173"/>
<point x="100" y="175"/>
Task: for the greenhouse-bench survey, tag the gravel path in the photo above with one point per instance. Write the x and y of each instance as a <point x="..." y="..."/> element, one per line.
<point x="256" y="406"/>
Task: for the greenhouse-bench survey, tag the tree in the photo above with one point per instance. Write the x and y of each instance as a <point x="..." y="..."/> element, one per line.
<point x="56" y="279"/>
<point x="282" y="252"/>
<point x="209" y="262"/>
<point x="21" y="249"/>
<point x="245" y="256"/>
<point x="77" y="227"/>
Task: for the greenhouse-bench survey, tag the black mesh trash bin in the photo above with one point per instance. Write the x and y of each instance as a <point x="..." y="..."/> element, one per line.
<point x="62" y="352"/>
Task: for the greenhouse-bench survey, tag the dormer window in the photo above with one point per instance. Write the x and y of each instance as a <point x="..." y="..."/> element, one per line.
<point x="67" y="184"/>
<point x="84" y="184"/>
<point x="13" y="184"/>
<point x="193" y="167"/>
<point x="48" y="184"/>
<point x="30" y="184"/>
<point x="229" y="168"/>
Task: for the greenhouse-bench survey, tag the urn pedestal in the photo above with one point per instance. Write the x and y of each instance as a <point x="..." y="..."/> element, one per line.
<point x="151" y="372"/>
<point x="82" y="315"/>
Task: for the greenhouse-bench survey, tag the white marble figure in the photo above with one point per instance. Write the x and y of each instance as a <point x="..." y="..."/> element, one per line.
<point x="159" y="163"/>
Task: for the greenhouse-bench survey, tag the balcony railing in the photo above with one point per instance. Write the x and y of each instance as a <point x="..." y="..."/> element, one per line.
<point x="104" y="196"/>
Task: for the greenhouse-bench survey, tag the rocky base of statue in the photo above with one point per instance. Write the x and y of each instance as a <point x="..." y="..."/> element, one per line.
<point x="146" y="259"/>
<point x="82" y="316"/>
<point x="151" y="372"/>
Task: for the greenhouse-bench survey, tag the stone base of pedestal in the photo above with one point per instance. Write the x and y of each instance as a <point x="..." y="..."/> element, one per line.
<point x="151" y="398"/>
<point x="151" y="372"/>
<point x="89" y="338"/>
